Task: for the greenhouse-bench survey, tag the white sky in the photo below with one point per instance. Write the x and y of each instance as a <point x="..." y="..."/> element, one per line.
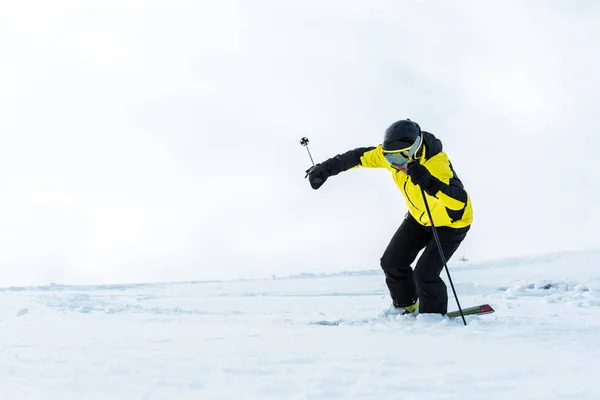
<point x="146" y="141"/>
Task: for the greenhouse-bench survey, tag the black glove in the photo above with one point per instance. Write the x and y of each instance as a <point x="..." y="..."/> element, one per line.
<point x="421" y="176"/>
<point x="317" y="175"/>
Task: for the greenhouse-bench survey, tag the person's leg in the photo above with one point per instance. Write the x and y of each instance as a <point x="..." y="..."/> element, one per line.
<point x="409" y="239"/>
<point x="431" y="289"/>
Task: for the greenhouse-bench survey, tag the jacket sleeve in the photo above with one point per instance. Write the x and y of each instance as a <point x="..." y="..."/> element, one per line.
<point x="345" y="161"/>
<point x="446" y="186"/>
<point x="373" y="158"/>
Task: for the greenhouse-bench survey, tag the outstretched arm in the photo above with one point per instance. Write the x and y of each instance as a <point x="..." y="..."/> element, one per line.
<point x="318" y="174"/>
<point x="345" y="161"/>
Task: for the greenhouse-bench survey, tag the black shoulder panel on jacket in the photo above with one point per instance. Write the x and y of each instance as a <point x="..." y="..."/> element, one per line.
<point x="454" y="189"/>
<point x="345" y="161"/>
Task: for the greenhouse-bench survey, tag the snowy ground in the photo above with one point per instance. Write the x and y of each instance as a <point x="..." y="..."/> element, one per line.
<point x="259" y="340"/>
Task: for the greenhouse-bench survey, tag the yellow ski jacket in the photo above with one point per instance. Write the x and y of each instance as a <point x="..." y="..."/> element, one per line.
<point x="448" y="201"/>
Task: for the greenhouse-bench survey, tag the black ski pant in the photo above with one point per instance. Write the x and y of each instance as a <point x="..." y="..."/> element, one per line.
<point x="424" y="283"/>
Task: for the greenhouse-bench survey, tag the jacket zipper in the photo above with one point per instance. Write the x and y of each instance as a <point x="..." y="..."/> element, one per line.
<point x="413" y="204"/>
<point x="407" y="196"/>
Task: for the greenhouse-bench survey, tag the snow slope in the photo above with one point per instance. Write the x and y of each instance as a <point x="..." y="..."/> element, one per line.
<point x="258" y="339"/>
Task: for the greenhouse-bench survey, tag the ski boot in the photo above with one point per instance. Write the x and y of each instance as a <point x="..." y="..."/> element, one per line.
<point x="395" y="309"/>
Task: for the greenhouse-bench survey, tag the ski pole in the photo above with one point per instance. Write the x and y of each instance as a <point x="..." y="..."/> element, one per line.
<point x="304" y="142"/>
<point x="439" y="246"/>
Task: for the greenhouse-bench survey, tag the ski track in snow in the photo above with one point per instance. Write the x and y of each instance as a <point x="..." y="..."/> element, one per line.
<point x="261" y="339"/>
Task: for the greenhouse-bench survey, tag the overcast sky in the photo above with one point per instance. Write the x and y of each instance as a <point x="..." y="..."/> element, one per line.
<point x="160" y="140"/>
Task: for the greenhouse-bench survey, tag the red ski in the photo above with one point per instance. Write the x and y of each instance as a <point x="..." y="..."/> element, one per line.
<point x="477" y="310"/>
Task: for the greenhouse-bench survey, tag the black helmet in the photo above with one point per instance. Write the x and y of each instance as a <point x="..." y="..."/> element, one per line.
<point x="402" y="135"/>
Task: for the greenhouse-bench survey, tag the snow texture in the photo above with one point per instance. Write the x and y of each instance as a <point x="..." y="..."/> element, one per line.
<point x="262" y="339"/>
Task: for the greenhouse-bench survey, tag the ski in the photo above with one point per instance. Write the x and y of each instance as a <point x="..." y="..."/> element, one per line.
<point x="477" y="310"/>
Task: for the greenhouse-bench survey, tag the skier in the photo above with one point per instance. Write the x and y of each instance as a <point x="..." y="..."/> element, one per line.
<point x="416" y="160"/>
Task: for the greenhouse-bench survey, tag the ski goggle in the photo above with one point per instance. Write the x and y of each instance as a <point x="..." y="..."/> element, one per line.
<point x="402" y="156"/>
